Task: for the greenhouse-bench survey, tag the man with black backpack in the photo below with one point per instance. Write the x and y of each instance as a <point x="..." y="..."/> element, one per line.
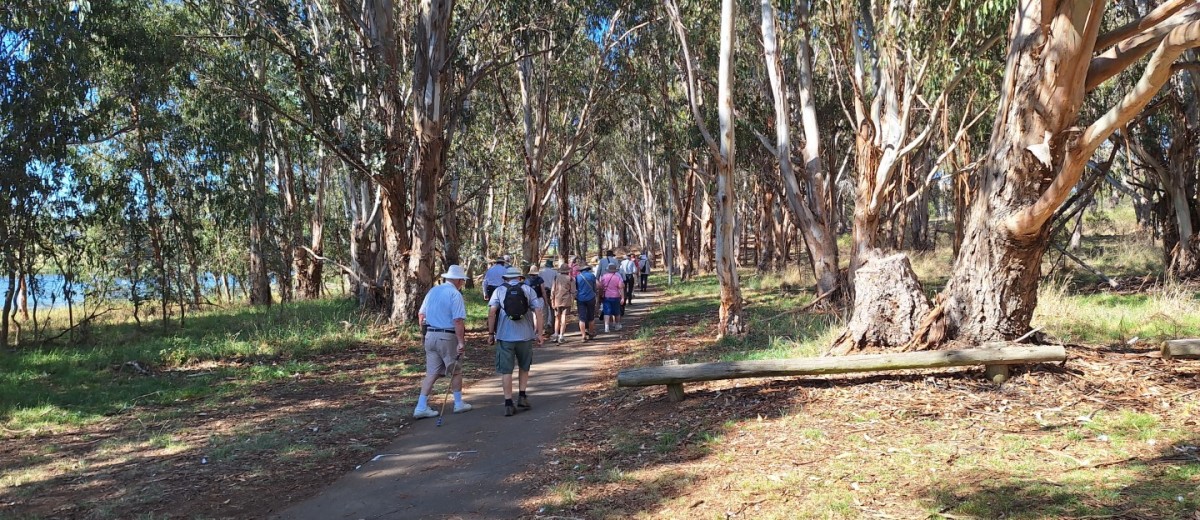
<point x="535" y="281"/>
<point x="514" y="327"/>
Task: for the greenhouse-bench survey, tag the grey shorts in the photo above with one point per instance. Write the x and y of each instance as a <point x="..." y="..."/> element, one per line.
<point x="512" y="354"/>
<point x="441" y="349"/>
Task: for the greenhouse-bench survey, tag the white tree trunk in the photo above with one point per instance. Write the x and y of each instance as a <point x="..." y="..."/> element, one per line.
<point x="731" y="322"/>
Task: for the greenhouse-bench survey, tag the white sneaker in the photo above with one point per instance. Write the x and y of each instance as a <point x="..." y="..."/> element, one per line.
<point x="606" y="328"/>
<point x="619" y="326"/>
<point x="422" y="413"/>
<point x="460" y="408"/>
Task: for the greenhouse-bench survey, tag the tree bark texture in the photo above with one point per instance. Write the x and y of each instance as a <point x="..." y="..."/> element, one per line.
<point x="888" y="302"/>
<point x="309" y="272"/>
<point x="1034" y="160"/>
<point x="695" y="372"/>
<point x="730" y="320"/>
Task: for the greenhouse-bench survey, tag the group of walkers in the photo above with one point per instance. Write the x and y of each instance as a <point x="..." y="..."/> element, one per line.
<point x="521" y="305"/>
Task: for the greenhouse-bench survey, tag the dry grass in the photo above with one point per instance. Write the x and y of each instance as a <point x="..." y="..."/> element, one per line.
<point x="1106" y="435"/>
<point x="1160" y="312"/>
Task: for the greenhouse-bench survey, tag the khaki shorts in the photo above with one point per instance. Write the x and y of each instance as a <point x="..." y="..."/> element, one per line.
<point x="441" y="349"/>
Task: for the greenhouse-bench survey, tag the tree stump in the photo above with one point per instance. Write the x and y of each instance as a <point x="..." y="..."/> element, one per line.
<point x="888" y="305"/>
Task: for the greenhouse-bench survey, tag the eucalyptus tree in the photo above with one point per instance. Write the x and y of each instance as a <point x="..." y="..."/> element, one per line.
<point x="891" y="59"/>
<point x="565" y="73"/>
<point x="730" y="320"/>
<point x="1164" y="144"/>
<point x="51" y="54"/>
<point x="812" y="201"/>
<point x="1057" y="55"/>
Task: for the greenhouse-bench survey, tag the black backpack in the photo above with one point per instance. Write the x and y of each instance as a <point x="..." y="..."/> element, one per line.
<point x="516" y="304"/>
<point x="536" y="283"/>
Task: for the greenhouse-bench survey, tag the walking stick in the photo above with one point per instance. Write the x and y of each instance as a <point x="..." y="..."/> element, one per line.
<point x="449" y="385"/>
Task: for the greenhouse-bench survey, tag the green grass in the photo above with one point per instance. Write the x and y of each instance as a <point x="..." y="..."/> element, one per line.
<point x="42" y="388"/>
<point x="777" y="328"/>
<point x="1112" y="319"/>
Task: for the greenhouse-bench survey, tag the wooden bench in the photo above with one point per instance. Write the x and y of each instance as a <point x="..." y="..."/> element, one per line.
<point x="1181" y="349"/>
<point x="675" y="375"/>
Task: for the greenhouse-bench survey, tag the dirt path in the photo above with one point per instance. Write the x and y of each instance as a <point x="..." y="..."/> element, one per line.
<point x="464" y="468"/>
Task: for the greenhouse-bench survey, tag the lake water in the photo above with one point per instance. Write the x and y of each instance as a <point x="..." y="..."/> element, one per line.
<point x="49" y="289"/>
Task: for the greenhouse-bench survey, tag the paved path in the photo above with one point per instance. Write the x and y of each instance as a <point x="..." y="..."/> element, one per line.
<point x="462" y="469"/>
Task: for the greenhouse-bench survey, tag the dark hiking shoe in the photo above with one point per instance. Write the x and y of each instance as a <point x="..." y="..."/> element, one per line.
<point x="523" y="402"/>
<point x="510" y="410"/>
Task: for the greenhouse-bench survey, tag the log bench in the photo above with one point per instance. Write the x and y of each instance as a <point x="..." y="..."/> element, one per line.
<point x="675" y="375"/>
<point x="1181" y="349"/>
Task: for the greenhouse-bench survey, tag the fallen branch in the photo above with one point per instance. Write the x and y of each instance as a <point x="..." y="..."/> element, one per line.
<point x="806" y="307"/>
<point x="1111" y="283"/>
<point x="320" y="258"/>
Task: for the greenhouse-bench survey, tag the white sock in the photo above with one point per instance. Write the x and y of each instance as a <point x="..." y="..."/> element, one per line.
<point x="423" y="402"/>
<point x="458" y="398"/>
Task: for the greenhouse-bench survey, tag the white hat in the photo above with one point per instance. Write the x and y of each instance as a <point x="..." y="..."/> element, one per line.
<point x="455" y="272"/>
<point x="513" y="272"/>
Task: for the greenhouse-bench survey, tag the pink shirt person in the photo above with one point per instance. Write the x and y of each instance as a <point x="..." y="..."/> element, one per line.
<point x="612" y="285"/>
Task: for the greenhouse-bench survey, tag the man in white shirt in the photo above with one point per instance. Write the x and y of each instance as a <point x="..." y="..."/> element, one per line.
<point x="629" y="270"/>
<point x="514" y="331"/>
<point x="493" y="278"/>
<point x="443" y="316"/>
<point x="602" y="266"/>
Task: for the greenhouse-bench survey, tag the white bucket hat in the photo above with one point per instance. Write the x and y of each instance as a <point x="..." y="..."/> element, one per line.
<point x="455" y="272"/>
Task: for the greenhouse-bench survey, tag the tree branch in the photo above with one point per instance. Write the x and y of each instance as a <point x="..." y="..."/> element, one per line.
<point x="1151" y="19"/>
<point x="676" y="22"/>
<point x="320" y="258"/>
<point x="1027" y="222"/>
<point x="1128" y="51"/>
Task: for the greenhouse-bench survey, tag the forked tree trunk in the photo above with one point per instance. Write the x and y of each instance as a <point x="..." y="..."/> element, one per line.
<point x="430" y="118"/>
<point x="811" y="208"/>
<point x="821" y="237"/>
<point x="992" y="292"/>
<point x="1036" y="156"/>
<point x="722" y="150"/>
<point x="1178" y="180"/>
<point x="684" y="198"/>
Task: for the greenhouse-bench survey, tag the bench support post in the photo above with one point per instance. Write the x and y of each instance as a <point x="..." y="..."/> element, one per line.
<point x="675" y="392"/>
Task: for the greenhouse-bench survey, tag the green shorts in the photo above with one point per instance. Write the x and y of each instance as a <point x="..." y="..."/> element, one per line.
<point x="510" y="354"/>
